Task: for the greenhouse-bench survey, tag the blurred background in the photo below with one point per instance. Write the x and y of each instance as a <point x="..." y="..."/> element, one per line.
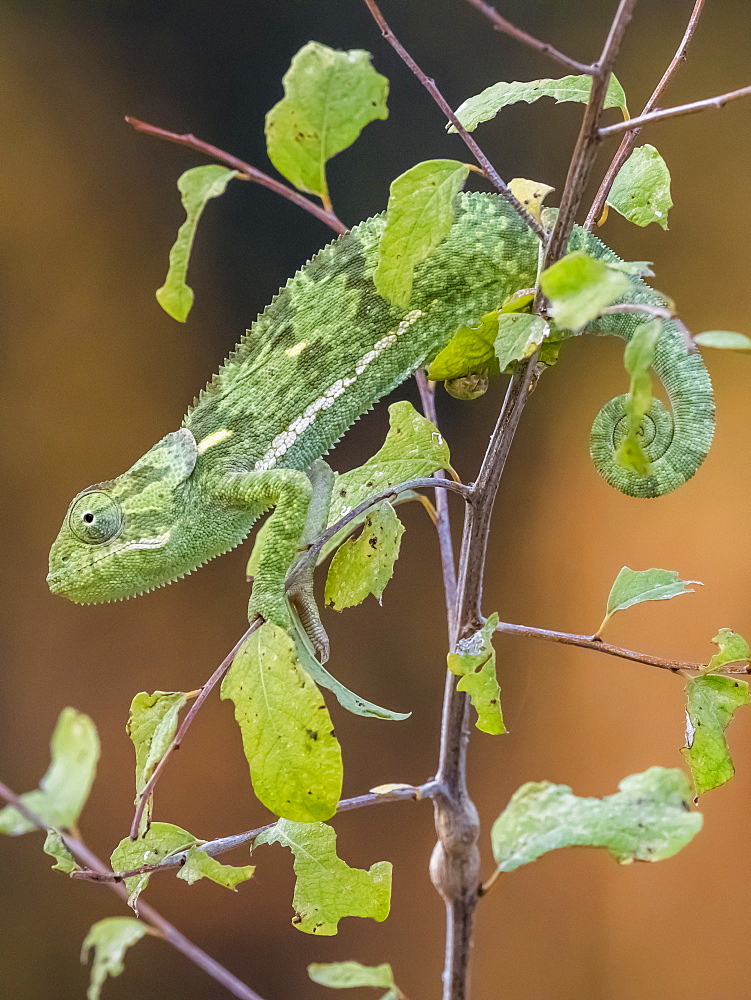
<point x="94" y="373"/>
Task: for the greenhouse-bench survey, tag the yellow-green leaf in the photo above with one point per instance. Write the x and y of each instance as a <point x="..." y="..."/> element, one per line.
<point x="346" y="975"/>
<point x="647" y="819"/>
<point x="55" y="846"/>
<point x="733" y="648"/>
<point x="420" y="213"/>
<point x="365" y="564"/>
<point x="724" y="339"/>
<point x="196" y="186"/>
<point x="294" y="758"/>
<point x="633" y="586"/>
<point x="64" y="789"/>
<point x="641" y="189"/>
<point x="413" y="448"/>
<point x="490" y="101"/>
<point x="152" y="723"/>
<point x="519" y="335"/>
<point x="327" y="889"/>
<point x="110" y="939"/>
<point x="469" y="352"/>
<point x="580" y="287"/>
<point x="329" y="98"/>
<point x="199" y="864"/>
<point x="473" y="661"/>
<point x="711" y="702"/>
<point x="637" y="359"/>
<point x="160" y="841"/>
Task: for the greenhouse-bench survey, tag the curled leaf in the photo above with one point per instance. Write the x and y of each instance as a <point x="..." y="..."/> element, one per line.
<point x="711" y="703"/>
<point x="110" y="939"/>
<point x="473" y="661"/>
<point x="641" y="189"/>
<point x="199" y="864"/>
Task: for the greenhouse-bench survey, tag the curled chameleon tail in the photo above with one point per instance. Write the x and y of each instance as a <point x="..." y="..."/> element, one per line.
<point x="675" y="441"/>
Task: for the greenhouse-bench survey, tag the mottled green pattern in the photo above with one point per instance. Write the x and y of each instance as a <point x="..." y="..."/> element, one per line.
<point x="326" y="349"/>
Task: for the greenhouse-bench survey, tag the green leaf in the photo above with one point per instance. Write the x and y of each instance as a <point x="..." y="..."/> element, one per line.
<point x="420" y="214"/>
<point x="55" y="846"/>
<point x="329" y="98"/>
<point x="413" y="448"/>
<point x="64" y="789"/>
<point x="288" y="738"/>
<point x="110" y="939"/>
<point x="474" y="661"/>
<point x="519" y="336"/>
<point x="641" y="190"/>
<point x="346" y="698"/>
<point x="724" y="339"/>
<point x="580" y="287"/>
<point x="490" y="101"/>
<point x="364" y="565"/>
<point x="633" y="586"/>
<point x="159" y="842"/>
<point x="733" y="649"/>
<point x="712" y="700"/>
<point x="647" y="819"/>
<point x="199" y="864"/>
<point x="638" y="358"/>
<point x="469" y="352"/>
<point x="346" y="975"/>
<point x="152" y="723"/>
<point x="327" y="889"/>
<point x="196" y="186"/>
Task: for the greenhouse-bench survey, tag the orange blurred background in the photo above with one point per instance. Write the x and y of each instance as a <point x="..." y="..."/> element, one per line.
<point x="94" y="373"/>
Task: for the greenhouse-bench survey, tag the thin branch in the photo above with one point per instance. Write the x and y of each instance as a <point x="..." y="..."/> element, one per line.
<point x="429" y="84"/>
<point x="222" y="845"/>
<point x="163" y="927"/>
<point x="206" y="690"/>
<point x="245" y="170"/>
<point x="590" y="642"/>
<point x="629" y="140"/>
<point x="682" y="109"/>
<point x="507" y="28"/>
<point x="442" y="520"/>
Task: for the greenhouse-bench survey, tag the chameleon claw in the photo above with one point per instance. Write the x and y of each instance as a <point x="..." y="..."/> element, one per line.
<point x="301" y="598"/>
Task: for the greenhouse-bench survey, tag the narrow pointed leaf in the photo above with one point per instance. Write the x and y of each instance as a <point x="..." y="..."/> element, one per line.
<point x="55" y="846"/>
<point x="474" y="661"/>
<point x="196" y="186"/>
<point x="64" y="789"/>
<point x="159" y="842"/>
<point x="365" y="564"/>
<point x="329" y="98"/>
<point x="647" y="819"/>
<point x="110" y="939"/>
<point x="641" y="190"/>
<point x="327" y="889"/>
<point x="421" y="210"/>
<point x="413" y="448"/>
<point x="633" y="586"/>
<point x="712" y="700"/>
<point x="638" y="358"/>
<point x="490" y="101"/>
<point x="152" y="723"/>
<point x="346" y="975"/>
<point x="198" y="865"/>
<point x="294" y="758"/>
<point x="580" y="287"/>
<point x="725" y="340"/>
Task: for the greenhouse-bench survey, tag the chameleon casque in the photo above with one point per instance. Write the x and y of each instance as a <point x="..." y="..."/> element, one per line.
<point x="322" y="353"/>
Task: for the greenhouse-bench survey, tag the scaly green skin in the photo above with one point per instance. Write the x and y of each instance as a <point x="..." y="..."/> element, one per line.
<point x="325" y="350"/>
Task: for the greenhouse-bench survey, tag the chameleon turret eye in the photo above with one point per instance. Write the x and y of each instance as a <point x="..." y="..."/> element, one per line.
<point x="95" y="518"/>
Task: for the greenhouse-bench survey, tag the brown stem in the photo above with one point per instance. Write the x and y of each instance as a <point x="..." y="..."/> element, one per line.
<point x="682" y="109"/>
<point x="501" y="24"/>
<point x="245" y="170"/>
<point x="155" y="920"/>
<point x="206" y="690"/>
<point x="223" y="844"/>
<point x="629" y="140"/>
<point x="429" y="84"/>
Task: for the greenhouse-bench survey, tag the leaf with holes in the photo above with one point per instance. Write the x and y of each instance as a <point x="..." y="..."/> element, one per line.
<point x="64" y="789"/>
<point x="474" y="662"/>
<point x="327" y="889"/>
<point x="197" y="186"/>
<point x="294" y="758"/>
<point x="641" y="189"/>
<point x="329" y="98"/>
<point x="364" y="565"/>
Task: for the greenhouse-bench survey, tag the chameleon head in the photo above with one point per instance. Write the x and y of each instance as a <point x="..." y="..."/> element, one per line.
<point x="126" y="536"/>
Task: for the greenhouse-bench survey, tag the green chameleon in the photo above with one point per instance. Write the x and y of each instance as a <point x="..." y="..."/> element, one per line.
<point x="325" y="350"/>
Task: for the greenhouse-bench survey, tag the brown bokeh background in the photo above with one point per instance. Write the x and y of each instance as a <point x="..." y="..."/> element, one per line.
<point x="93" y="373"/>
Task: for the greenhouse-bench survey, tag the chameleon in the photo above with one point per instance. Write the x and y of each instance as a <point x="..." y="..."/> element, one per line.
<point x="325" y="350"/>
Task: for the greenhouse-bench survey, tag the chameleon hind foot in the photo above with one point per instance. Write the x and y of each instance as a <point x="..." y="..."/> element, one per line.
<point x="300" y="596"/>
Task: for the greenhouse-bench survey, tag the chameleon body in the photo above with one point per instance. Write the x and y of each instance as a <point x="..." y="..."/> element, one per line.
<point x="321" y="354"/>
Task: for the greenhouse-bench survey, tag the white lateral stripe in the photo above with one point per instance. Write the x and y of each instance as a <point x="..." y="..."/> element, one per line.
<point x="284" y="441"/>
<point x="212" y="439"/>
<point x="145" y="543"/>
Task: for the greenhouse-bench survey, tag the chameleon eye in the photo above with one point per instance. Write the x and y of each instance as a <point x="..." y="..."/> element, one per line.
<point x="95" y="518"/>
